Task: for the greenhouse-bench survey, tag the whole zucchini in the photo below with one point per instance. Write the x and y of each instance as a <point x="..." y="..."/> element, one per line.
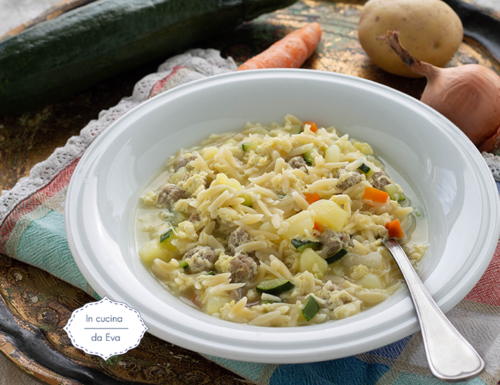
<point x="59" y="57"/>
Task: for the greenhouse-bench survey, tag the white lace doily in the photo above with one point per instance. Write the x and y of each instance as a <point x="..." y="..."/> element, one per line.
<point x="197" y="63"/>
<point x="493" y="162"/>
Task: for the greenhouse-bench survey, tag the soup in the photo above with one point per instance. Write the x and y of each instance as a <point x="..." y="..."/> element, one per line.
<point x="277" y="225"/>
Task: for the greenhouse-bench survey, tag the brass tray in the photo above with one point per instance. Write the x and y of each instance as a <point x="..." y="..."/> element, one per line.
<point x="35" y="306"/>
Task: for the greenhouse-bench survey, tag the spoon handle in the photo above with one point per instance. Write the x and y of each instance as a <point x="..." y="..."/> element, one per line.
<point x="451" y="358"/>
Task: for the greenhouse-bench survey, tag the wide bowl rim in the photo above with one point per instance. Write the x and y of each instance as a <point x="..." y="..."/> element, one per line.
<point x="408" y="323"/>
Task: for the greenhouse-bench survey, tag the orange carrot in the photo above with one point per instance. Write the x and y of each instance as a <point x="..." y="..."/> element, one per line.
<point x="290" y="52"/>
<point x="313" y="126"/>
<point x="312" y="197"/>
<point x="319" y="227"/>
<point x="374" y="195"/>
<point x="395" y="230"/>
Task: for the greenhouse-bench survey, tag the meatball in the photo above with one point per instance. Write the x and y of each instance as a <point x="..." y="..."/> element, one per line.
<point x="243" y="268"/>
<point x="237" y="238"/>
<point x="194" y="217"/>
<point x="170" y="194"/>
<point x="380" y="180"/>
<point x="200" y="258"/>
<point x="182" y="162"/>
<point x="333" y="241"/>
<point x="354" y="178"/>
<point x="299" y="163"/>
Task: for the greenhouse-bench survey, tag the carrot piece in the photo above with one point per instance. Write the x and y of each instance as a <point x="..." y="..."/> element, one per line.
<point x="319" y="227"/>
<point x="290" y="52"/>
<point x="395" y="230"/>
<point x="312" y="197"/>
<point x="374" y="195"/>
<point x="313" y="126"/>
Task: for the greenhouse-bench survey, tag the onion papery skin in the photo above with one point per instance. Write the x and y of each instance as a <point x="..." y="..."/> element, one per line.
<point x="469" y="96"/>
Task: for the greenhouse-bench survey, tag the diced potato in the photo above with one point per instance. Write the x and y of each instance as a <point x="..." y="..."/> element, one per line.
<point x="231" y="182"/>
<point x="313" y="263"/>
<point x="152" y="250"/>
<point x="371" y="281"/>
<point x="209" y="152"/>
<point x="332" y="155"/>
<point x="177" y="176"/>
<point x="298" y="224"/>
<point x="329" y="214"/>
<point x="215" y="303"/>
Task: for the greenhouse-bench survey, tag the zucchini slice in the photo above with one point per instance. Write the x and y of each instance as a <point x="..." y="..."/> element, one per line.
<point x="394" y="193"/>
<point x="248" y="199"/>
<point x="310" y="309"/>
<point x="275" y="286"/>
<point x="306" y="244"/>
<point x="309" y="157"/>
<point x="336" y="257"/>
<point x="166" y="240"/>
<point x="167" y="235"/>
<point x="364" y="168"/>
<point x="249" y="146"/>
<point x="177" y="218"/>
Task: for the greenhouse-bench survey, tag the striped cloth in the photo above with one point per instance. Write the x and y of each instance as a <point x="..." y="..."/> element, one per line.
<point x="32" y="230"/>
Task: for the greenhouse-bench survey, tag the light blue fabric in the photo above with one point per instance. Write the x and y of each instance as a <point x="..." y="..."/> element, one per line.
<point x="250" y="370"/>
<point x="409" y="379"/>
<point x="44" y="245"/>
<point x="391" y="351"/>
<point x="345" y="371"/>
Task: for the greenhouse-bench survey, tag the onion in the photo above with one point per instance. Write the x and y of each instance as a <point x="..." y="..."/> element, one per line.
<point x="468" y="95"/>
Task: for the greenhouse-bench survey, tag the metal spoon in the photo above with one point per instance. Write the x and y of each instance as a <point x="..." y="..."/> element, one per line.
<point x="451" y="358"/>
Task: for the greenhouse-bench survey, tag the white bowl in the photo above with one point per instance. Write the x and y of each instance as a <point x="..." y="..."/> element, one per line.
<point x="437" y="161"/>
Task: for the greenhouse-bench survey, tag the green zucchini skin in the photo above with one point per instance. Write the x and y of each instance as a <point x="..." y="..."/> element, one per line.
<point x="83" y="47"/>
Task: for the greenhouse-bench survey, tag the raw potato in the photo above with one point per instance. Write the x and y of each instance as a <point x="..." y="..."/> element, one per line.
<point x="429" y="29"/>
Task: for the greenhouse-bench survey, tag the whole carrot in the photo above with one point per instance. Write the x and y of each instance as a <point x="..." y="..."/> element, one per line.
<point x="290" y="52"/>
